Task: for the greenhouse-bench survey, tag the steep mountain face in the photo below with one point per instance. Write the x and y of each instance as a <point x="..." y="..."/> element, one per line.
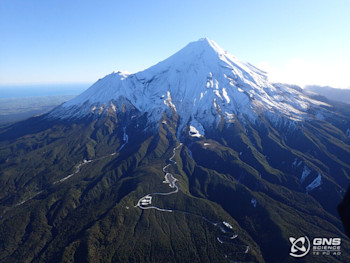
<point x="198" y="158"/>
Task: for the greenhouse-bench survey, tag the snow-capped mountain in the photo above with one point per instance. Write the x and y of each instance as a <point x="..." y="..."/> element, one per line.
<point x="202" y="82"/>
<point x="196" y="159"/>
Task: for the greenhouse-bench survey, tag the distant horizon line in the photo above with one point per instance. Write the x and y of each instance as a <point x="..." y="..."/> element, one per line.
<point x="45" y="83"/>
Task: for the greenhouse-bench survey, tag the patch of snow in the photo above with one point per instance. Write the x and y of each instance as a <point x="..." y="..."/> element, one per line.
<point x="101" y="110"/>
<point x="315" y="183"/>
<point x="227" y="225"/>
<point x="253" y="202"/>
<point x="305" y="173"/>
<point x="125" y="139"/>
<point x="113" y="107"/>
<point x="217" y="107"/>
<point x="230" y="116"/>
<point x="217" y="93"/>
<point x="169" y="102"/>
<point x="348" y="132"/>
<point x="196" y="129"/>
<point x="125" y="136"/>
<point x="216" y="84"/>
<point x="209" y="84"/>
<point x="123" y="74"/>
<point x="224" y="93"/>
<point x="206" y="144"/>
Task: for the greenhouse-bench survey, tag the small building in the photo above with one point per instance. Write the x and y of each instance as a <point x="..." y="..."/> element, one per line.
<point x="147" y="200"/>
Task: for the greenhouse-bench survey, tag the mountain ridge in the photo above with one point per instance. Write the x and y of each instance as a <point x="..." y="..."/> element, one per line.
<point x="202" y="82"/>
<point x="341" y="95"/>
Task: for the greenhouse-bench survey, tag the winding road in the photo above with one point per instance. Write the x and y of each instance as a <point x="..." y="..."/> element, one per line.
<point x="226" y="236"/>
<point x="145" y="201"/>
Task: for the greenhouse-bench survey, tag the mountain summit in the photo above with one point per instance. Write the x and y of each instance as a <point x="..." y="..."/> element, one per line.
<point x="202" y="83"/>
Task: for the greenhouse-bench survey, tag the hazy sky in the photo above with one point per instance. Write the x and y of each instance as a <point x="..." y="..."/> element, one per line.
<point x="301" y="42"/>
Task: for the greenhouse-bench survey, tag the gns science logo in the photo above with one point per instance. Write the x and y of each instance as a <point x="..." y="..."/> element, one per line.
<point x="301" y="246"/>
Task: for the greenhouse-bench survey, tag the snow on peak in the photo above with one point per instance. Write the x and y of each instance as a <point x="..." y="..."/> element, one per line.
<point x="203" y="57"/>
<point x="123" y="74"/>
<point x="202" y="82"/>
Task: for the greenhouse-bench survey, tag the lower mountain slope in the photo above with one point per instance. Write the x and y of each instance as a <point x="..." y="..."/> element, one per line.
<point x="73" y="191"/>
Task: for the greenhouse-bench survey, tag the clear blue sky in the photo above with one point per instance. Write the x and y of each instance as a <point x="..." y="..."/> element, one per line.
<point x="61" y="41"/>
